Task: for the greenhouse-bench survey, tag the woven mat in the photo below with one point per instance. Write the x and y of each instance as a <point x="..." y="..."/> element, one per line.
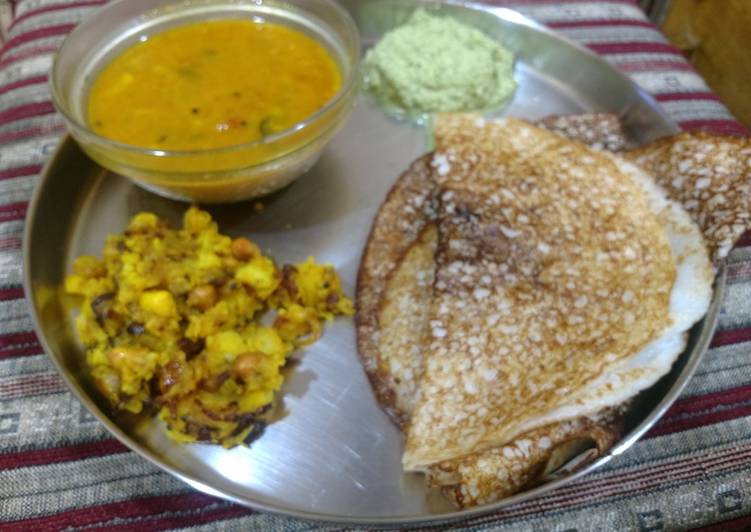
<point x="60" y="469"/>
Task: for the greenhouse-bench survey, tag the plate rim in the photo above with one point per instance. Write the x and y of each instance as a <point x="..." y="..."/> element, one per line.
<point x="702" y="343"/>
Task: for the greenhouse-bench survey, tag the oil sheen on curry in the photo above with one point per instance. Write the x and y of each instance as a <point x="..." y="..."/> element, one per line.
<point x="212" y="84"/>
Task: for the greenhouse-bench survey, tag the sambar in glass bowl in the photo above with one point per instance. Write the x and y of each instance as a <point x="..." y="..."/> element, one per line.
<point x="208" y="100"/>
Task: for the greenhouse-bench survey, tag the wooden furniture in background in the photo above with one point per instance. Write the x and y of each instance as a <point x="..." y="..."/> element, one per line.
<point x="6" y="14"/>
<point x="715" y="35"/>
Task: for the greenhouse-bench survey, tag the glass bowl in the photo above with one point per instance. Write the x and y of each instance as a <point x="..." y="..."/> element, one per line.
<point x="217" y="175"/>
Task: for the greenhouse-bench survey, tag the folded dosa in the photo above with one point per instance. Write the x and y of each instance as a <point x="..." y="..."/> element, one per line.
<point x="552" y="275"/>
<point x="393" y="297"/>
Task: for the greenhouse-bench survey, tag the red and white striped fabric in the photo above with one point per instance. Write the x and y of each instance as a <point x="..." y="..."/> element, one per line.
<point x="59" y="469"/>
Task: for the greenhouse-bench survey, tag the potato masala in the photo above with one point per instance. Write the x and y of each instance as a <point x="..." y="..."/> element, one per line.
<point x="171" y="322"/>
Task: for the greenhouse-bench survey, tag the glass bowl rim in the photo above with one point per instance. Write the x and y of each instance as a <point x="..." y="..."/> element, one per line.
<point x="351" y="83"/>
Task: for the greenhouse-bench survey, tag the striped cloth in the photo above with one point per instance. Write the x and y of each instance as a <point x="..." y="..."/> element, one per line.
<point x="60" y="469"/>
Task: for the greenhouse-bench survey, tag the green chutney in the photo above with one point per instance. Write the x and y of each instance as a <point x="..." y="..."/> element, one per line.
<point x="434" y="64"/>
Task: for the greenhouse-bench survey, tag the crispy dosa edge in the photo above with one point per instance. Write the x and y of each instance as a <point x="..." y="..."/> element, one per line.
<point x="526" y="462"/>
<point x="710" y="176"/>
<point x="388" y="242"/>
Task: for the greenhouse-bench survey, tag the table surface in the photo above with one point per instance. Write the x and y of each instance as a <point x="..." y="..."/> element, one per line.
<point x="60" y="469"/>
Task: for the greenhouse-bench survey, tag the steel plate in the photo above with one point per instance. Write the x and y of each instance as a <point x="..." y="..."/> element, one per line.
<point x="335" y="456"/>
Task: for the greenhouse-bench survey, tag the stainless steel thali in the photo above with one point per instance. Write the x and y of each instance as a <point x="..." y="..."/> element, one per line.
<point x="335" y="456"/>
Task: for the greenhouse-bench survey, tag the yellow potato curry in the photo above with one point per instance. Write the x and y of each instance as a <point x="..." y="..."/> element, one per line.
<point x="171" y="321"/>
<point x="212" y="84"/>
